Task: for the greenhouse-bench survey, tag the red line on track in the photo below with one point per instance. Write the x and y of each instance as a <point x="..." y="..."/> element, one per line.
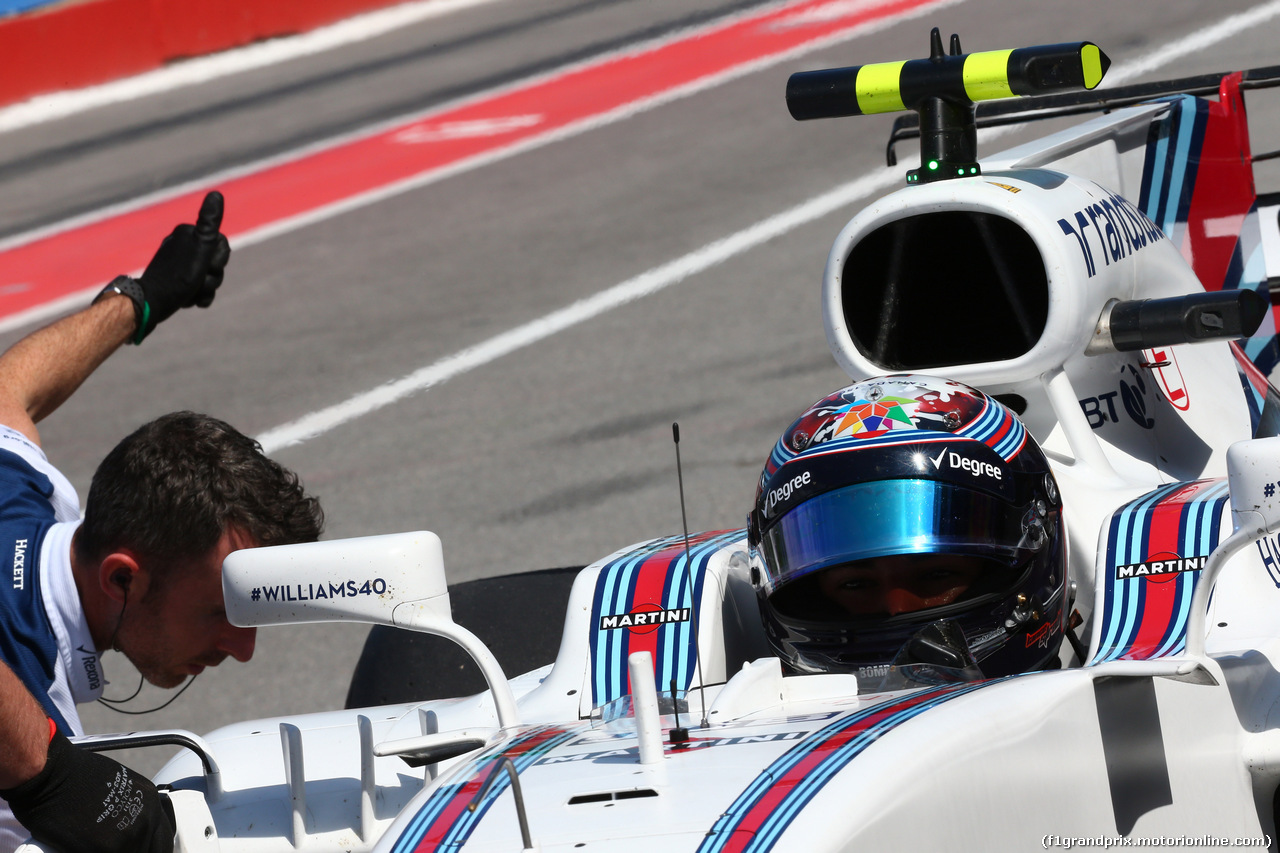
<point x="68" y="262"/>
<point x="65" y="45"/>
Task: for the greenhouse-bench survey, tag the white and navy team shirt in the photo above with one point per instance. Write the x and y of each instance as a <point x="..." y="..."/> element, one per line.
<point x="44" y="636"/>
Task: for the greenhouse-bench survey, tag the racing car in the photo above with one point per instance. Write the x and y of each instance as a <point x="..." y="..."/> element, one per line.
<point x="1113" y="283"/>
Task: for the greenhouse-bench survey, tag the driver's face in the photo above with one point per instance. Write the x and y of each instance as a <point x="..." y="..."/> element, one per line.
<point x="887" y="586"/>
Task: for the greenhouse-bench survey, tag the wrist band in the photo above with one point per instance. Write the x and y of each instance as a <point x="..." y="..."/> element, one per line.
<point x="131" y="288"/>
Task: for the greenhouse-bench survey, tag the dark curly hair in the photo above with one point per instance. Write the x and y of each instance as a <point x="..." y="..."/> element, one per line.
<point x="171" y="488"/>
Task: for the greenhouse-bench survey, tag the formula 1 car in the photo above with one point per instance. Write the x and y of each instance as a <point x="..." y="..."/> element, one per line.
<point x="1113" y="285"/>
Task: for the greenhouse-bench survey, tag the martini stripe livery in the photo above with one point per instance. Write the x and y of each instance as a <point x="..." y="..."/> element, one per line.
<point x="445" y="822"/>
<point x="763" y="811"/>
<point x="642" y="603"/>
<point x="1156" y="546"/>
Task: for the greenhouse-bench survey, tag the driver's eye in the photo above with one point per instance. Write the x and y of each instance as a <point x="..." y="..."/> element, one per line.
<point x="858" y="584"/>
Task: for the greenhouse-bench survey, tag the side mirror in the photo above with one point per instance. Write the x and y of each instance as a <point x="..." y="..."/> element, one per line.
<point x="395" y="580"/>
<point x="1253" y="475"/>
<point x="383" y="580"/>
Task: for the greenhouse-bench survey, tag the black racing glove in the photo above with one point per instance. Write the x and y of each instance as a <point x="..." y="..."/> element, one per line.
<point x="186" y="270"/>
<point x="83" y="802"/>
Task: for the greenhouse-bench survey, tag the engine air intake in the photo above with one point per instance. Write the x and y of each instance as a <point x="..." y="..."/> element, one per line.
<point x="943" y="289"/>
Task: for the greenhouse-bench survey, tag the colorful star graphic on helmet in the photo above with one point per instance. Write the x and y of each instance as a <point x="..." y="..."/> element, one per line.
<point x="867" y="418"/>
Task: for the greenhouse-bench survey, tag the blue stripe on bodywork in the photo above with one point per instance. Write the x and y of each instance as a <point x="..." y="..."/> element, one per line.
<point x="675" y="656"/>
<point x="1169" y="172"/>
<point x="465" y="823"/>
<point x="1127" y="543"/>
<point x="798" y="795"/>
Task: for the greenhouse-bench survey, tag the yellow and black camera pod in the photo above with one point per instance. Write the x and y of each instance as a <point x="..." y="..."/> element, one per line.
<point x="942" y="90"/>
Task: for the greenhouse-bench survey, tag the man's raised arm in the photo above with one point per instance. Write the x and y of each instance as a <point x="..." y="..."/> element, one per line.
<point x="39" y="372"/>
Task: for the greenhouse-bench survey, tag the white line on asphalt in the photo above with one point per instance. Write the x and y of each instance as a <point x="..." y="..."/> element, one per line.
<point x="621" y="113"/>
<point x="203" y="69"/>
<point x="645" y="284"/>
<point x="1199" y="40"/>
<point x="671" y="273"/>
<point x="45" y="311"/>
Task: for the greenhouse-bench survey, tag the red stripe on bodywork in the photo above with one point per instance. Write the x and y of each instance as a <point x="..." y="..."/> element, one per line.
<point x="651" y="584"/>
<point x="1224" y="191"/>
<point x="1256" y="379"/>
<point x="768" y="802"/>
<point x="440" y="827"/>
<point x="650" y="581"/>
<point x="1160" y="593"/>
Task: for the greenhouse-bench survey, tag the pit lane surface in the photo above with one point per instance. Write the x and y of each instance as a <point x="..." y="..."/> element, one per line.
<point x="560" y="452"/>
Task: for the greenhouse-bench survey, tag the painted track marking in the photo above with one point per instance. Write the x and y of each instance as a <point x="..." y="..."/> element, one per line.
<point x="204" y="69"/>
<point x="645" y="284"/>
<point x="664" y="276"/>
<point x="62" y="266"/>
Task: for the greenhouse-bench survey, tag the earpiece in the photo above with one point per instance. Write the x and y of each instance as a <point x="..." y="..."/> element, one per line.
<point x="121" y="579"/>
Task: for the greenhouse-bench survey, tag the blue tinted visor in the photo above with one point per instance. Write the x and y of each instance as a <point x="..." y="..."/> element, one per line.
<point x="890" y="517"/>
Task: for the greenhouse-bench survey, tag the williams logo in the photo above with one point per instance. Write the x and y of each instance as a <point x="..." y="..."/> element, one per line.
<point x="350" y="589"/>
<point x="1162" y="568"/>
<point x="644" y="618"/>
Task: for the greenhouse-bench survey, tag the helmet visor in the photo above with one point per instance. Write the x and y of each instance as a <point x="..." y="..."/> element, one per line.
<point x="889" y="517"/>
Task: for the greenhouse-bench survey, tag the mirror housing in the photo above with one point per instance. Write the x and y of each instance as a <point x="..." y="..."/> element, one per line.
<point x="1253" y="475"/>
<point x="372" y="579"/>
<point x="395" y="580"/>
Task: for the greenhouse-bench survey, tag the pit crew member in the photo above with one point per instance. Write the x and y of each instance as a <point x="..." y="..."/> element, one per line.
<point x="141" y="574"/>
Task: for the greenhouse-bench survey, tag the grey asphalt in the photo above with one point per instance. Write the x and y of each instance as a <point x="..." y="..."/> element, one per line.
<point x="561" y="453"/>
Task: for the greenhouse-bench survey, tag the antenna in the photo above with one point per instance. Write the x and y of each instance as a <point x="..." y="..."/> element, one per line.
<point x="679" y="735"/>
<point x="943" y="89"/>
<point x="693" y="605"/>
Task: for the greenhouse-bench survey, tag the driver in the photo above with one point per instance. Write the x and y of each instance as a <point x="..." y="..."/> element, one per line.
<point x="898" y="502"/>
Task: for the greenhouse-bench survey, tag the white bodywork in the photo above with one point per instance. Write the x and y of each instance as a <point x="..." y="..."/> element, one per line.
<point x="1168" y="742"/>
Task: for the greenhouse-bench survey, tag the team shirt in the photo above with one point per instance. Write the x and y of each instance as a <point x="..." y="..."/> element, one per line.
<point x="44" y="636"/>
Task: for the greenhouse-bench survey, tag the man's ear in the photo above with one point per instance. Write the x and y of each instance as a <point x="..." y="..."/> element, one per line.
<point x="120" y="577"/>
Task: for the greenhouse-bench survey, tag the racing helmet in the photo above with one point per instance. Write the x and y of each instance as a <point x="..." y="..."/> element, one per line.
<point x="899" y="502"/>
